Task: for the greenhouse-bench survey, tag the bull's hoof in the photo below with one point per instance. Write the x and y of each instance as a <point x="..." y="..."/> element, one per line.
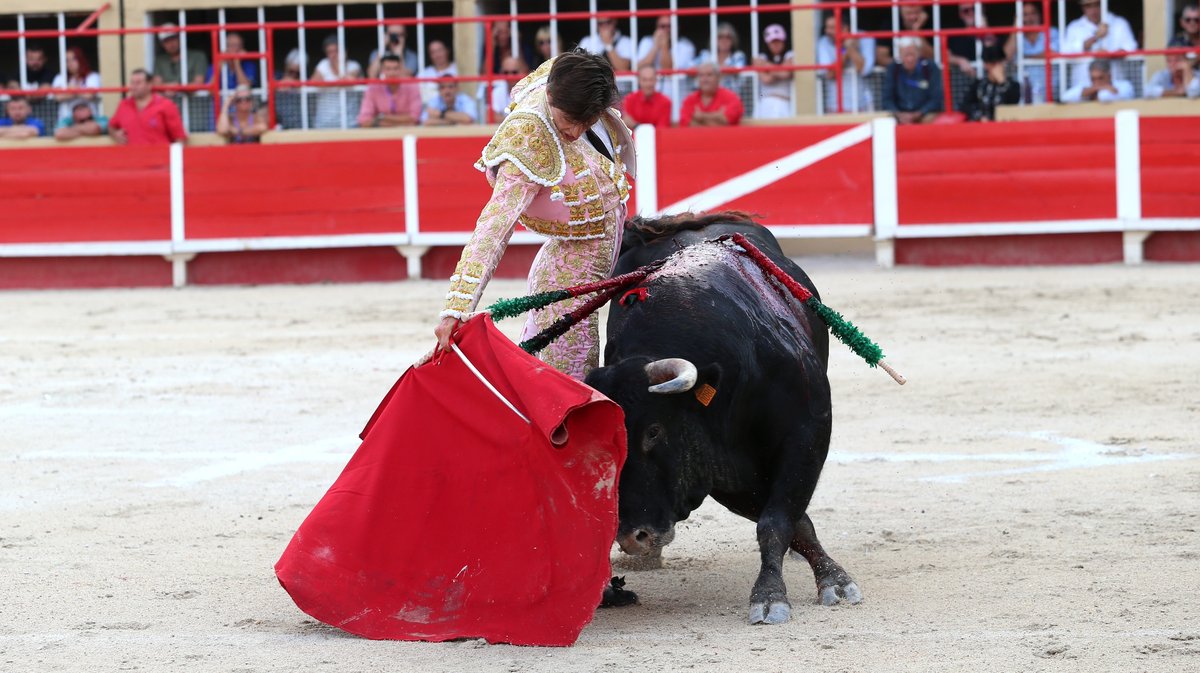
<point x="774" y="613"/>
<point x="835" y="593"/>
<point x="616" y="595"/>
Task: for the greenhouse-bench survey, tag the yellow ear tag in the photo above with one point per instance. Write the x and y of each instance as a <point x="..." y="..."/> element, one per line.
<point x="705" y="394"/>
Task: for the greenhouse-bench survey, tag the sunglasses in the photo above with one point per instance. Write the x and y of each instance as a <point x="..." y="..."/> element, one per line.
<point x="509" y="72"/>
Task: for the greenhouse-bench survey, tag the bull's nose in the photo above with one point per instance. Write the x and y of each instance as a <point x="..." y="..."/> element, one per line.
<point x="637" y="542"/>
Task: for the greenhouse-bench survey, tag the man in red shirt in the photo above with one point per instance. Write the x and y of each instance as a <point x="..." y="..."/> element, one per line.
<point x="647" y="105"/>
<point x="144" y="117"/>
<point x="711" y="104"/>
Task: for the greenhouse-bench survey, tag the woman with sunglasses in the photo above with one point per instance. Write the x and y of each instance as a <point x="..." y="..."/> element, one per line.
<point x="241" y="122"/>
<point x="544" y="47"/>
<point x="557" y="164"/>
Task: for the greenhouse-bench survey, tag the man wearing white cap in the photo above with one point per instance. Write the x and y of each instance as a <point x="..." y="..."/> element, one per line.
<point x="167" y="68"/>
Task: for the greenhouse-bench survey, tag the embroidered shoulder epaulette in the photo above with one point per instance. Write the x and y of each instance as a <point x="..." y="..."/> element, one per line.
<point x="527" y="139"/>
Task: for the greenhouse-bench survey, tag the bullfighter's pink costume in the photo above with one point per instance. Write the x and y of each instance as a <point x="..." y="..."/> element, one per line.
<point x="568" y="192"/>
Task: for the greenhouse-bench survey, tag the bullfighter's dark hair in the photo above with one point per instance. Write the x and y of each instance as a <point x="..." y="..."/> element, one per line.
<point x="582" y="85"/>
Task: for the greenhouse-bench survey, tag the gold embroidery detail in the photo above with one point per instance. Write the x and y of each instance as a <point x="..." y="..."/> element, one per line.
<point x="527" y="140"/>
<point x="562" y="229"/>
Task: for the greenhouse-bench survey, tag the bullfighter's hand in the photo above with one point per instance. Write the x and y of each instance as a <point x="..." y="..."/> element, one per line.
<point x="445" y="329"/>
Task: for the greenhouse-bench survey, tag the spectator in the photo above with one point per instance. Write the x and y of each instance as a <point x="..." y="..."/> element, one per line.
<point x="657" y="50"/>
<point x="711" y="104"/>
<point x="288" y="99"/>
<point x="1095" y="33"/>
<point x="1176" y="81"/>
<point x="858" y="59"/>
<point x="38" y="73"/>
<point x="609" y="42"/>
<point x="389" y="103"/>
<point x="82" y="123"/>
<point x="397" y="38"/>
<point x="1034" y="46"/>
<point x="1189" y="24"/>
<point x="241" y="121"/>
<point x="167" y="69"/>
<point x="502" y="47"/>
<point x="291" y="67"/>
<point x="440" y="65"/>
<point x="544" y="47"/>
<point x="449" y="107"/>
<point x="239" y="71"/>
<point x="1099" y="85"/>
<point x="980" y="101"/>
<point x="914" y="17"/>
<point x="647" y="105"/>
<point x="79" y="76"/>
<point x="513" y="69"/>
<point x="728" y="55"/>
<point x="330" y="69"/>
<point x="144" y="117"/>
<point x="775" y="86"/>
<point x="964" y="48"/>
<point x="912" y="88"/>
<point x="19" y="125"/>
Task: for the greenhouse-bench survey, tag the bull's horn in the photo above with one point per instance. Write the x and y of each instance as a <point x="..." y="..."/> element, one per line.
<point x="671" y="375"/>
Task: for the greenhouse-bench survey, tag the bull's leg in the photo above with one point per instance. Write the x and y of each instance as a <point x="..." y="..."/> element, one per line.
<point x="833" y="583"/>
<point x="768" y="599"/>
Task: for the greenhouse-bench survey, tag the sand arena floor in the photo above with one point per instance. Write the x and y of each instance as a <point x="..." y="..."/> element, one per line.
<point x="1030" y="501"/>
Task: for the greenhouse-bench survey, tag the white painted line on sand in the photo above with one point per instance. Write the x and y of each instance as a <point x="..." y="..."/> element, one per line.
<point x="1073" y="454"/>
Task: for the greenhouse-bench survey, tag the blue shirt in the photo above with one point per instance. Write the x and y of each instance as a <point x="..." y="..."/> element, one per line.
<point x="462" y="103"/>
<point x="67" y="122"/>
<point x="917" y="91"/>
<point x="250" y="67"/>
<point x="35" y="123"/>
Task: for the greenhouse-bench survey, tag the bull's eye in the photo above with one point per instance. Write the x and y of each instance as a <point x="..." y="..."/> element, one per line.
<point x="652" y="436"/>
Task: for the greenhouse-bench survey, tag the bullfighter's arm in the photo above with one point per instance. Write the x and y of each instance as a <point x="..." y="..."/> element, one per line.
<point x="512" y="194"/>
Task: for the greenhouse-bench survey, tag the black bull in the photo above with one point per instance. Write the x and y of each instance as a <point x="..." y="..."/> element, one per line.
<point x="725" y="393"/>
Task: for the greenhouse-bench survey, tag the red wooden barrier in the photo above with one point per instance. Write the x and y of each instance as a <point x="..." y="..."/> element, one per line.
<point x="84" y="194"/>
<point x="1007" y="172"/>
<point x="308" y="189"/>
<point x="835" y="190"/>
<point x="1170" y="166"/>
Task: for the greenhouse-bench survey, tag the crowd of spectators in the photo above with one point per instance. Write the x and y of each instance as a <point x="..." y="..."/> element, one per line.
<point x="905" y="78"/>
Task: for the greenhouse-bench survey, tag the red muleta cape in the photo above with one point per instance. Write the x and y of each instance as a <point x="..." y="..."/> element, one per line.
<point x="456" y="518"/>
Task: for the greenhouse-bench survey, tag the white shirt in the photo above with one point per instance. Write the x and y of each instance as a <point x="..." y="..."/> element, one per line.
<point x="1161" y="81"/>
<point x="1119" y="38"/>
<point x="500" y="99"/>
<point x="429" y="90"/>
<point x="92" y="81"/>
<point x="683" y="52"/>
<point x="1123" y="87"/>
<point x="329" y="99"/>
<point x="854" y="98"/>
<point x="621" y="44"/>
